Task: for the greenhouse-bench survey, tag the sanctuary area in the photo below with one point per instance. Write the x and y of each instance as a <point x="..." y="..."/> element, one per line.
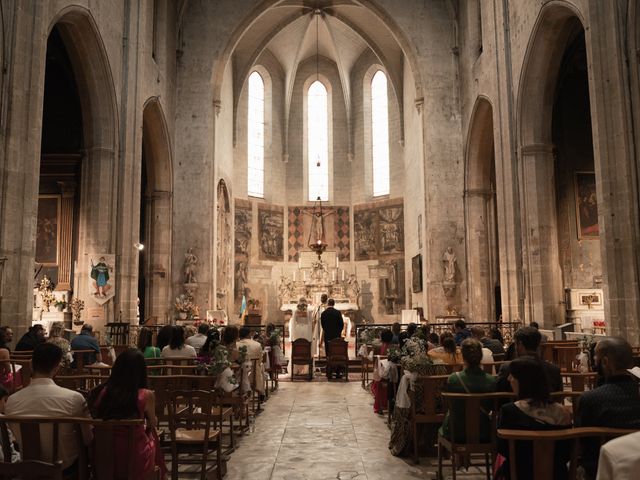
<point x="323" y="238"/>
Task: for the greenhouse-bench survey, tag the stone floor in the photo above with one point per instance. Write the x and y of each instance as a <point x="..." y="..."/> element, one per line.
<point x="322" y="431"/>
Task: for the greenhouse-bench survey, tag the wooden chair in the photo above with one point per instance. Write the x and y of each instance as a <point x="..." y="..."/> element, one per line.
<point x="301" y="355"/>
<point x="21" y="371"/>
<point x="80" y="359"/>
<point x="192" y="431"/>
<point x="338" y="357"/>
<point x="80" y="383"/>
<point x="543" y="446"/>
<point x="565" y="356"/>
<point x="475" y="407"/>
<point x="492" y="368"/>
<point x="40" y="440"/>
<point x="432" y="407"/>
<point x="572" y="397"/>
<point x="273" y="371"/>
<point x="580" y="382"/>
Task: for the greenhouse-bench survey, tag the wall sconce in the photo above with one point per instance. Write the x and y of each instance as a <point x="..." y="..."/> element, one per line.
<point x="138" y="246"/>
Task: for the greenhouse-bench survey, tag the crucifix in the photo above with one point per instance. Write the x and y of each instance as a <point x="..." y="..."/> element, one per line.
<point x="317" y="215"/>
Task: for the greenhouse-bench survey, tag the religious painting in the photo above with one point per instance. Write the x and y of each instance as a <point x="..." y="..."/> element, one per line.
<point x="102" y="278"/>
<point x="364" y="231"/>
<point x="416" y="274"/>
<point x="270" y="233"/>
<point x="242" y="243"/>
<point x="587" y="206"/>
<point x="391" y="230"/>
<point x="48" y="230"/>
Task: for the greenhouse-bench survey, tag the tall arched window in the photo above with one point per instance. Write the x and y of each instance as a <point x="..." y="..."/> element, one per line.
<point x="255" y="137"/>
<point x="318" y="142"/>
<point x="380" y="134"/>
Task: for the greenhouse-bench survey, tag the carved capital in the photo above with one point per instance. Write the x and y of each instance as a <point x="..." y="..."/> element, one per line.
<point x="419" y="103"/>
<point x="217" y="106"/>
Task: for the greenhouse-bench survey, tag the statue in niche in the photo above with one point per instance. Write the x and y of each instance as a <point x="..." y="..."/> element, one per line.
<point x="319" y="272"/>
<point x="449" y="263"/>
<point x="286" y="289"/>
<point x="241" y="278"/>
<point x="190" y="267"/>
<point x="353" y="287"/>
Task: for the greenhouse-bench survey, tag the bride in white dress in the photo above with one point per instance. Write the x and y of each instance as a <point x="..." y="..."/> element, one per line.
<point x="301" y="326"/>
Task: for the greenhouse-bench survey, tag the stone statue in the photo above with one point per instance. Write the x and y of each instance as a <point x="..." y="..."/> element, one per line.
<point x="353" y="287"/>
<point x="190" y="261"/>
<point x="449" y="264"/>
<point x="285" y="289"/>
<point x="241" y="278"/>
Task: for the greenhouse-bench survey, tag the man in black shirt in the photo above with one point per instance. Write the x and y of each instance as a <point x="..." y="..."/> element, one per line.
<point x="492" y="344"/>
<point x="614" y="404"/>
<point x="527" y="341"/>
<point x="31" y="339"/>
<point x="332" y="324"/>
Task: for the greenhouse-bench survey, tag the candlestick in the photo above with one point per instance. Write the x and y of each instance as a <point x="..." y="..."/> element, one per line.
<point x="295" y="275"/>
<point x="343" y="275"/>
<point x="334" y="276"/>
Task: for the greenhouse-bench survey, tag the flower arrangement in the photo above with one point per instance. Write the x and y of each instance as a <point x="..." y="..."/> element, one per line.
<point x="243" y="354"/>
<point x="414" y="346"/>
<point x="422" y="364"/>
<point x="45" y="287"/>
<point x="61" y="304"/>
<point x="370" y="334"/>
<point x="77" y="306"/>
<point x="184" y="304"/>
<point x="274" y="339"/>
<point x="253" y="304"/>
<point x="394" y="354"/>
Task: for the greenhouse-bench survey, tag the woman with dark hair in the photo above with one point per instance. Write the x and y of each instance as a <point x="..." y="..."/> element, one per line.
<point x="230" y="335"/>
<point x="447" y="352"/>
<point x="177" y="347"/>
<point x="473" y="379"/>
<point x="379" y="385"/>
<point x="145" y="343"/>
<point x="125" y="396"/>
<point x="533" y="410"/>
<point x="6" y="377"/>
<point x="164" y="337"/>
<point x="210" y="345"/>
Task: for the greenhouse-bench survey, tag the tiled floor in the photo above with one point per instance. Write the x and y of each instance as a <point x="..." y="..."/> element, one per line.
<point x="322" y="431"/>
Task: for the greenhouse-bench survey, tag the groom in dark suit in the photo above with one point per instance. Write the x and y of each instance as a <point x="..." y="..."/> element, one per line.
<point x="332" y="325"/>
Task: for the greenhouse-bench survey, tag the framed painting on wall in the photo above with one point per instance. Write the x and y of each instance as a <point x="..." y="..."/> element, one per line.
<point x="416" y="273"/>
<point x="587" y="206"/>
<point x="48" y="230"/>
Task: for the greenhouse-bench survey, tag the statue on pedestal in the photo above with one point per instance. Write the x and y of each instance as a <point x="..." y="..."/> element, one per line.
<point x="189" y="269"/>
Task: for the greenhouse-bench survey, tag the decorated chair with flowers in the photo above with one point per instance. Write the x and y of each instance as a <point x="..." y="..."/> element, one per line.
<point x="301" y="355"/>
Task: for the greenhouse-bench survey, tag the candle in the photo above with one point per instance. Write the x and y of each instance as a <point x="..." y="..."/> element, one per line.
<point x="337" y="263"/>
<point x="334" y="275"/>
<point x="295" y="275"/>
<point x="343" y="275"/>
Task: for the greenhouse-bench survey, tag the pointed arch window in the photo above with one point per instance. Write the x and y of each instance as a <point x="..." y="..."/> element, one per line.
<point x="318" y="142"/>
<point x="255" y="137"/>
<point x="380" y="134"/>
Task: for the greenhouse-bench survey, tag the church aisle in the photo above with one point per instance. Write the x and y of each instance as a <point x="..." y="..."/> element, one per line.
<point x="320" y="431"/>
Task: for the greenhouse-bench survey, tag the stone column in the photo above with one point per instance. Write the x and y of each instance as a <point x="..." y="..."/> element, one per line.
<point x="158" y="265"/>
<point x="543" y="291"/>
<point x="615" y="158"/>
<point x="479" y="254"/>
<point x="68" y="190"/>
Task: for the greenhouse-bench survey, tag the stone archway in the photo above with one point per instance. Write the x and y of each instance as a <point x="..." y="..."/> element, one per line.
<point x="156" y="214"/>
<point x="483" y="269"/>
<point x="556" y="26"/>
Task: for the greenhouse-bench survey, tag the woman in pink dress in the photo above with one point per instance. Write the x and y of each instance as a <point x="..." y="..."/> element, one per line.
<point x="125" y="396"/>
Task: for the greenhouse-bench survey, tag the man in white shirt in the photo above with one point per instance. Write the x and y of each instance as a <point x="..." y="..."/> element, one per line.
<point x="620" y="458"/>
<point x="43" y="398"/>
<point x="254" y="352"/>
<point x="197" y="340"/>
<point x="478" y="334"/>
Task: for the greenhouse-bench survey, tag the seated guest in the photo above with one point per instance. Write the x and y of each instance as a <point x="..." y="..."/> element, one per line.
<point x="197" y="340"/>
<point x="543" y="337"/>
<point x="43" y="397"/>
<point x="433" y="341"/>
<point x="55" y="337"/>
<point x="254" y="352"/>
<point x="31" y="339"/>
<point x="533" y="410"/>
<point x="494" y="346"/>
<point x="620" y="458"/>
<point x="487" y="354"/>
<point x="495" y="334"/>
<point x="164" y="337"/>
<point x="473" y="379"/>
<point x="447" y="352"/>
<point x="86" y="341"/>
<point x="616" y="403"/>
<point x="379" y="387"/>
<point x="145" y="343"/>
<point x="229" y="337"/>
<point x="8" y="336"/>
<point x="6" y="376"/>
<point x="408" y="333"/>
<point x="176" y="347"/>
<point x="461" y="331"/>
<point x="125" y="397"/>
<point x="15" y="455"/>
<point x="208" y="349"/>
<point x="395" y="331"/>
<point x="527" y="341"/>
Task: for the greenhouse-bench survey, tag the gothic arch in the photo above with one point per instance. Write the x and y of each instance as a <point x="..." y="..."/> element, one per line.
<point x="157" y="195"/>
<point x="224" y="252"/>
<point x="557" y="25"/>
<point x="483" y="270"/>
